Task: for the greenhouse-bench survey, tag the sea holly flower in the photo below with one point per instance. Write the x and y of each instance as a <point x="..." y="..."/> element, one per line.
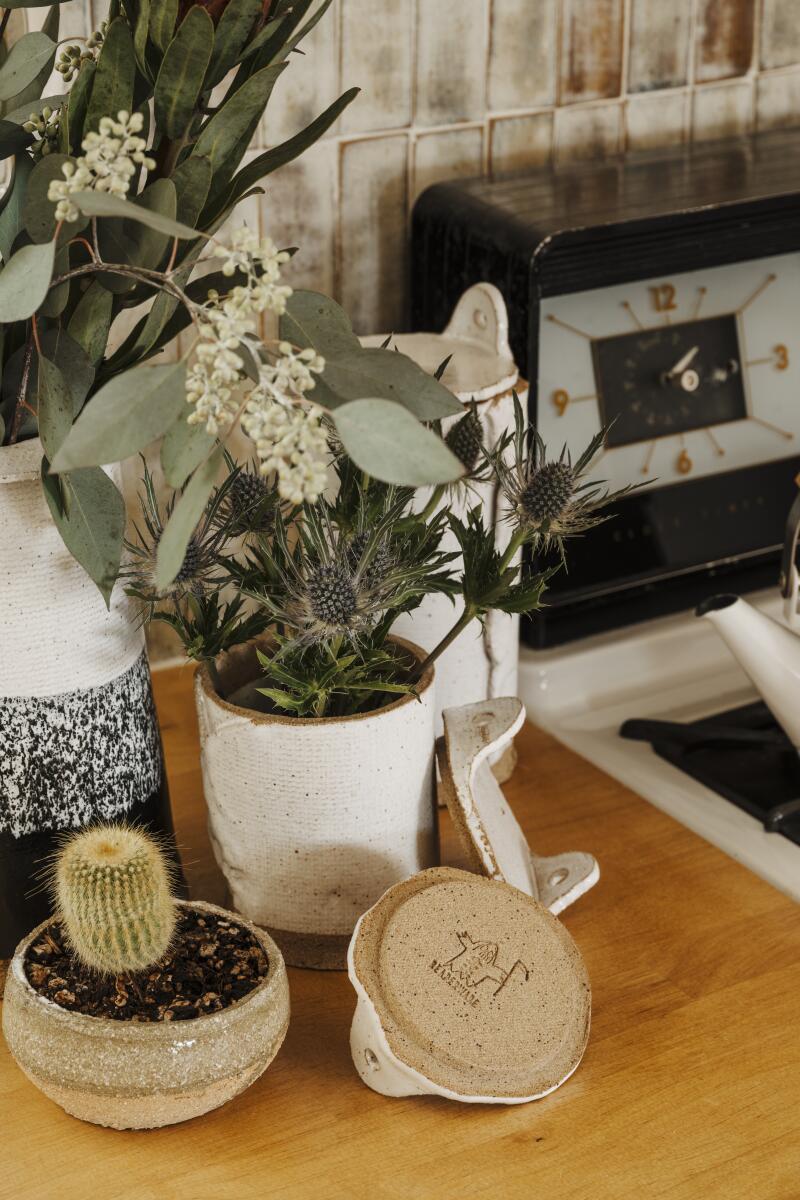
<point x="109" y="162"/>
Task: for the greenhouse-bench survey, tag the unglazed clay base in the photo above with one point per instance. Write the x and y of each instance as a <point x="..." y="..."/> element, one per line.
<point x="468" y="989"/>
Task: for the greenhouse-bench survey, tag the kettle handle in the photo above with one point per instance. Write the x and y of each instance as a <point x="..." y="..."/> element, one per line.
<point x="790" y="578"/>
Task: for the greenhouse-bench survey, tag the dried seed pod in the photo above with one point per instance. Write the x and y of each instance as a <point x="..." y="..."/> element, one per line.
<point x="113" y="897"/>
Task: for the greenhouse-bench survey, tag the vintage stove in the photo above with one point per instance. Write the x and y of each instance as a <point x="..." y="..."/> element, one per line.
<point x="655" y="296"/>
<point x="742" y="793"/>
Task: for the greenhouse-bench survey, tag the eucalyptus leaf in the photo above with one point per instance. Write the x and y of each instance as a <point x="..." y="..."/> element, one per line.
<point x="91" y="321"/>
<point x="57" y="298"/>
<point x="78" y="104"/>
<point x="65" y="353"/>
<point x="12" y="217"/>
<point x="162" y="22"/>
<point x="112" y="90"/>
<point x="351" y="372"/>
<point x="183" y="448"/>
<point x="387" y="442"/>
<point x="26" y="59"/>
<point x="25" y="281"/>
<point x="222" y="135"/>
<point x="40" y="213"/>
<point x="91" y="521"/>
<point x="22" y="113"/>
<point x="183" y="520"/>
<point x="103" y="204"/>
<point x="192" y="179"/>
<point x="131" y="411"/>
<point x="278" y="156"/>
<point x="141" y="32"/>
<point x="32" y="3"/>
<point x="54" y="407"/>
<point x="150" y="244"/>
<point x="232" y="36"/>
<point x="182" y="72"/>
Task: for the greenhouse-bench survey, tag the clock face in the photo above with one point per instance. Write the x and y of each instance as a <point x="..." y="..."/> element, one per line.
<point x="690" y="376"/>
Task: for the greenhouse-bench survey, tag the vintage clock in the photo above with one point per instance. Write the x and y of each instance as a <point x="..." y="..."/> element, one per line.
<point x="657" y="296"/>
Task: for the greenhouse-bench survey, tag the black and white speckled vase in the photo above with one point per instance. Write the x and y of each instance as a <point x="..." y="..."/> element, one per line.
<point x="79" y="738"/>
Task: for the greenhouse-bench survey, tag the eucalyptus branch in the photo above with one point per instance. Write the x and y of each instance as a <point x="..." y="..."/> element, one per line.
<point x="23" y="387"/>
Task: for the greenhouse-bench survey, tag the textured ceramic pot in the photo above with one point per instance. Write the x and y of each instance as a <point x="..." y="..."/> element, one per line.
<point x="311" y="820"/>
<point x="482" y="662"/>
<point x="79" y="739"/>
<point x="128" y="1075"/>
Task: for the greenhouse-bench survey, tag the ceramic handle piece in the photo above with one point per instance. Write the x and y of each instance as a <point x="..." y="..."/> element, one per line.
<point x="481" y="316"/>
<point x="497" y="846"/>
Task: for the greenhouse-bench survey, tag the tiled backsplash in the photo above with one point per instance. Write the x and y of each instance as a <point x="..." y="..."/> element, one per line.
<point x="460" y="87"/>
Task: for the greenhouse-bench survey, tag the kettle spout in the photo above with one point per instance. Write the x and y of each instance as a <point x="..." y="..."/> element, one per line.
<point x="766" y="651"/>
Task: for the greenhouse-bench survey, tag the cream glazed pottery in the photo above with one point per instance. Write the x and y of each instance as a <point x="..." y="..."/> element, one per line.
<point x="490" y="834"/>
<point x="311" y="820"/>
<point x="132" y="1075"/>
<point x="79" y="739"/>
<point x="482" y="662"/>
<point x="467" y="989"/>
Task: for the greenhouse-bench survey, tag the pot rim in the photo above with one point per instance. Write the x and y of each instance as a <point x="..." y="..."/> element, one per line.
<point x="156" y="1030"/>
<point x="202" y="676"/>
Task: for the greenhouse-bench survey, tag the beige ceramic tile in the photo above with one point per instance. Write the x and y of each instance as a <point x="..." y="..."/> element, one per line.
<point x="299" y="209"/>
<point x="725" y="31"/>
<point x="377" y="56"/>
<point x="722" y="111"/>
<point x="591" y="49"/>
<point x="374" y="191"/>
<point x="780" y="33"/>
<point x="656" y="119"/>
<point x="451" y="60"/>
<point x="778" y="100"/>
<point x="307" y="86"/>
<point x="590" y="131"/>
<point x="522" y="55"/>
<point x="520" y="143"/>
<point x="451" y="154"/>
<point x="659" y="44"/>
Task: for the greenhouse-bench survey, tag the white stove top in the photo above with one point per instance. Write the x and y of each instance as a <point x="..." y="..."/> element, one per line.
<point x="675" y="668"/>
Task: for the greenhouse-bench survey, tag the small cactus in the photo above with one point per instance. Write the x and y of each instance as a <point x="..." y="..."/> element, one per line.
<point x="113" y="898"/>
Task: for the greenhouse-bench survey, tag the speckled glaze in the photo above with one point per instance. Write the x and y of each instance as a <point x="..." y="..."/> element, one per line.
<point x="312" y="820"/>
<point x="127" y="1075"/>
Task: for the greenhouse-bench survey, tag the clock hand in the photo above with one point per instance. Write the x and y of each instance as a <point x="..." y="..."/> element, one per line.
<point x="682" y="363"/>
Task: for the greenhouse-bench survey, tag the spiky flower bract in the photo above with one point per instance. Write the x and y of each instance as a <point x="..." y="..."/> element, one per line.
<point x="200" y="570"/>
<point x="465" y="438"/>
<point x="113" y="898"/>
<point x="548" y="500"/>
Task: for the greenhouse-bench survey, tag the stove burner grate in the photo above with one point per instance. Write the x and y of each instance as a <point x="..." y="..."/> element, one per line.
<point x="742" y="754"/>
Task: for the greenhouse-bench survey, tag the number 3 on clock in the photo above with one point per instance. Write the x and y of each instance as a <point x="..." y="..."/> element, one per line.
<point x="663" y="297"/>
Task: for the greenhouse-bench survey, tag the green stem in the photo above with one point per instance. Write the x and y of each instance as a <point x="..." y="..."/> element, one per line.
<point x="469" y="614"/>
<point x="511" y="549"/>
<point x="433" y="503"/>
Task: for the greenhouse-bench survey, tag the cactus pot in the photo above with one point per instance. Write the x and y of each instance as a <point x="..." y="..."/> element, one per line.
<point x="79" y="739"/>
<point x="131" y="1075"/>
<point x="311" y="820"/>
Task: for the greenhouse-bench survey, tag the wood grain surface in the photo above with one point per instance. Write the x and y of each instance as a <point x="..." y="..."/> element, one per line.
<point x="690" y="1087"/>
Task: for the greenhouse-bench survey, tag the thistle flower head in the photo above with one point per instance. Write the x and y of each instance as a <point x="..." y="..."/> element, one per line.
<point x="465" y="438"/>
<point x="198" y="573"/>
<point x="113" y="898"/>
<point x="249" y="506"/>
<point x="549" y="499"/>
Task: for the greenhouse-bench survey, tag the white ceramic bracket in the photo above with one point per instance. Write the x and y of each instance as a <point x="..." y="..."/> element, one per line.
<point x="473" y="737"/>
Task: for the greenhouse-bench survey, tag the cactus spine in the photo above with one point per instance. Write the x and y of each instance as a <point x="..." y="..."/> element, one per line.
<point x="113" y="898"/>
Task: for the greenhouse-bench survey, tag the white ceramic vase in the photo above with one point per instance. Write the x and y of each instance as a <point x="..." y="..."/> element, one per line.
<point x="482" y="662"/>
<point x="311" y="820"/>
<point x="79" y="739"/>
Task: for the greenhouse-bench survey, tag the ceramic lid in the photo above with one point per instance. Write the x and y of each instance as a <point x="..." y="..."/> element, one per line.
<point x="490" y="834"/>
<point x="481" y="364"/>
<point x="476" y="987"/>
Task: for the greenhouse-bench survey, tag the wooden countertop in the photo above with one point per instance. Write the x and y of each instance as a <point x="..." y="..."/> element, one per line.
<point x="690" y="1087"/>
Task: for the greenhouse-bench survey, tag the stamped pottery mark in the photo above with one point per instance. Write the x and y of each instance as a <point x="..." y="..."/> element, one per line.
<point x="474" y="964"/>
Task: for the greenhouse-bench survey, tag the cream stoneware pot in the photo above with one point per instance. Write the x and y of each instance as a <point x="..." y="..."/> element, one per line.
<point x="311" y="820"/>
<point x="483" y="661"/>
<point x="79" y="739"/>
<point x="132" y="1075"/>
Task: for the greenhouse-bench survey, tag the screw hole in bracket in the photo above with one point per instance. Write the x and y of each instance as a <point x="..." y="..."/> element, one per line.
<point x="557" y="877"/>
<point x="371" y="1059"/>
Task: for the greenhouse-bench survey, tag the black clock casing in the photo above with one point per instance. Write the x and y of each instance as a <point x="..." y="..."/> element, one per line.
<point x="592" y="225"/>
